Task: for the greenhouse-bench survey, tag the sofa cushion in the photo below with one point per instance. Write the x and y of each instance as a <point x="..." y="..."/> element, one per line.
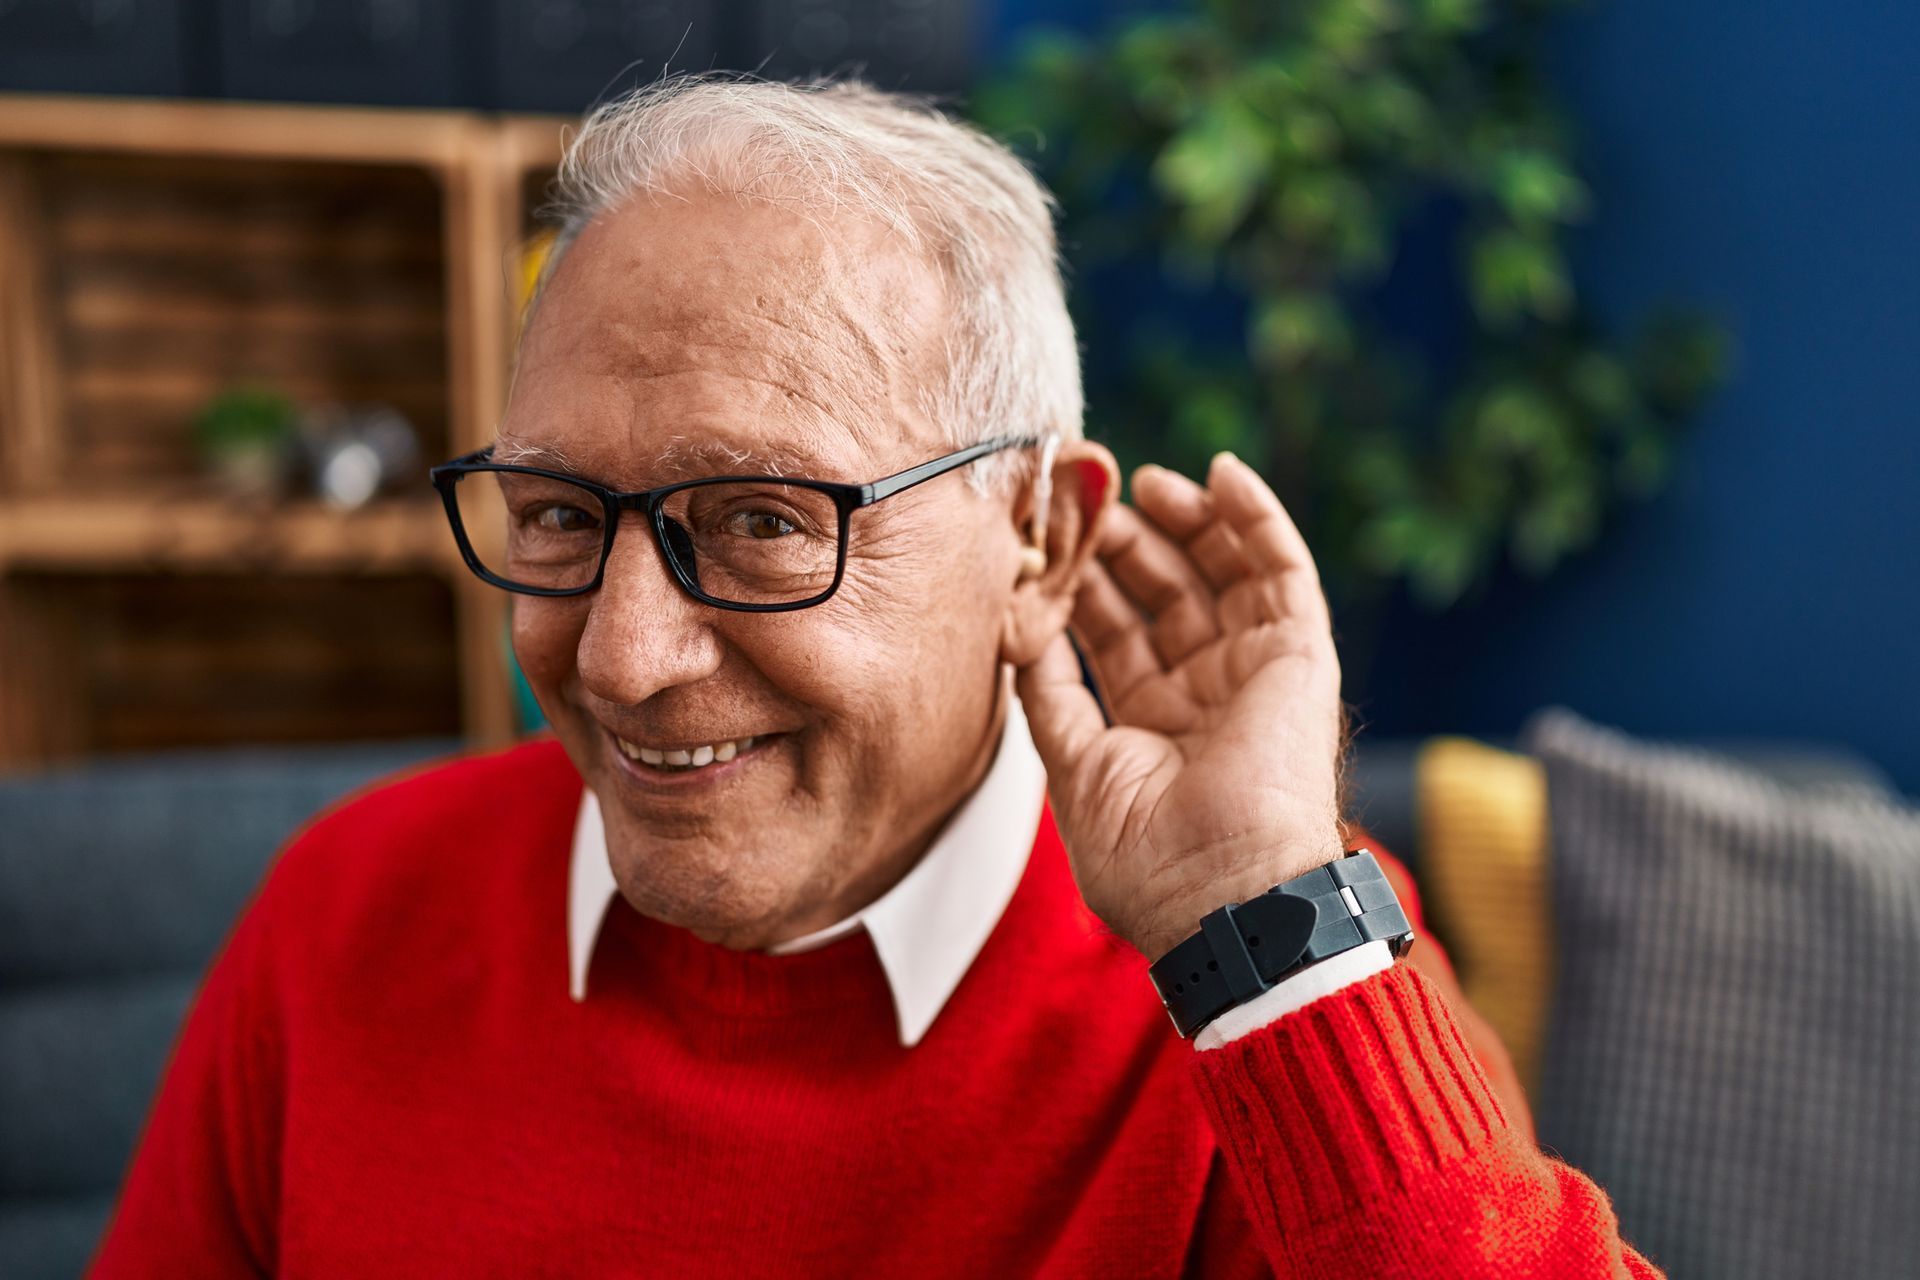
<point x="51" y="1238"/>
<point x="83" y="1060"/>
<point x="120" y="880"/>
<point x="131" y="866"/>
<point x="1735" y="1037"/>
<point x="1483" y="864"/>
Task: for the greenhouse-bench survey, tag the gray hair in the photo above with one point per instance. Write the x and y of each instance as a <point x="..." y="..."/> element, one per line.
<point x="953" y="195"/>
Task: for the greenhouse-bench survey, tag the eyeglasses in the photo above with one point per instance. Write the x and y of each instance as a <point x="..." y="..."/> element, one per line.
<point x="758" y="544"/>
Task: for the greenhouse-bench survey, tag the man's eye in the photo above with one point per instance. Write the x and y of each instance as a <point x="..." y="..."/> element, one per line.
<point x="562" y="519"/>
<point x="759" y="524"/>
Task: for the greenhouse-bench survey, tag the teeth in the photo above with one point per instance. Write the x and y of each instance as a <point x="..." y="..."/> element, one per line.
<point x="698" y="757"/>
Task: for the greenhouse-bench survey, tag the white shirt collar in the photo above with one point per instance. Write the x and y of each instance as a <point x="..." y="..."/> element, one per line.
<point x="927" y="929"/>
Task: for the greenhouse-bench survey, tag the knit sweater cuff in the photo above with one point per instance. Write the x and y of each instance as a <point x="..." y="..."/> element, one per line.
<point x="1356" y="1098"/>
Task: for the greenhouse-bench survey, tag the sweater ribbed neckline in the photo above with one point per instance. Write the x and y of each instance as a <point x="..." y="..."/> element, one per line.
<point x="672" y="964"/>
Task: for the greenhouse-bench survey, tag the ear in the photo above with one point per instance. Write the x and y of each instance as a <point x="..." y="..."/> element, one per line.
<point x="1058" y="512"/>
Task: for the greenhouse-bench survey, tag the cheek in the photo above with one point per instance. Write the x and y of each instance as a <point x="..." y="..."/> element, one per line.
<point x="902" y="645"/>
<point x="546" y="640"/>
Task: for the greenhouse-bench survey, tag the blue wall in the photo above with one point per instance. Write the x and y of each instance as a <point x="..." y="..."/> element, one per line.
<point x="1761" y="161"/>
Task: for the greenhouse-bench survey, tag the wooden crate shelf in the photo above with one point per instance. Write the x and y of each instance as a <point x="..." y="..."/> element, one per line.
<point x="142" y="661"/>
<point x="153" y="254"/>
<point x="185" y="532"/>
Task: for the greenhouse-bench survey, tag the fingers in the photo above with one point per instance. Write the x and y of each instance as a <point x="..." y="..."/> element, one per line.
<point x="1062" y="714"/>
<point x="1157" y="576"/>
<point x="1186" y="511"/>
<point x="1176" y="503"/>
<point x="1187" y="564"/>
<point x="1114" y="633"/>
<point x="1249" y="507"/>
<point x="1152" y="568"/>
<point x="1285" y="584"/>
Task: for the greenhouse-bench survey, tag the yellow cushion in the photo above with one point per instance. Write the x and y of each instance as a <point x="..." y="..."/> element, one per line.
<point x="1484" y="842"/>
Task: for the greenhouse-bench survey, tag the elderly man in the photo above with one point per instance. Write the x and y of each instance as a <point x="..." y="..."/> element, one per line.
<point x="817" y="940"/>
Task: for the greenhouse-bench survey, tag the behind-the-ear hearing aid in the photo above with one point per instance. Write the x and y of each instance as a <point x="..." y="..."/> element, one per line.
<point x="1033" y="556"/>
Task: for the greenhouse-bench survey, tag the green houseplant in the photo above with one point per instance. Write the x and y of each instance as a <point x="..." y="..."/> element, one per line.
<point x="243" y="435"/>
<point x="1269" y="162"/>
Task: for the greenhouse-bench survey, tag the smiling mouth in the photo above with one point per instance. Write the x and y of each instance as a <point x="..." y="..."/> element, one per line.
<point x="686" y="759"/>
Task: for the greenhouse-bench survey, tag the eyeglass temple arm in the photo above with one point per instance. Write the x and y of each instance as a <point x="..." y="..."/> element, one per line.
<point x="872" y="493"/>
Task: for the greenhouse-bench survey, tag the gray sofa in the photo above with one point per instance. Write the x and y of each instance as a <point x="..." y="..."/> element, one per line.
<point x="118" y="881"/>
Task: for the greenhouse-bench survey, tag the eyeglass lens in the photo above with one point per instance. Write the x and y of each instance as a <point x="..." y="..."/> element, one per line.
<point x="755" y="542"/>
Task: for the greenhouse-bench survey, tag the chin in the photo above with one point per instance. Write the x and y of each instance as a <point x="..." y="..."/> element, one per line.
<point x="712" y="890"/>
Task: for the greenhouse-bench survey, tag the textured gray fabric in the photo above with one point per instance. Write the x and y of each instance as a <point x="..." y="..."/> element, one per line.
<point x="118" y="881"/>
<point x="121" y="867"/>
<point x="1734" y="1050"/>
<point x="50" y="1239"/>
<point x="82" y="1064"/>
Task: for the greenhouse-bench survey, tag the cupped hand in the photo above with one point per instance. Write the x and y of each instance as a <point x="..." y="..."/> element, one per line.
<point x="1202" y="616"/>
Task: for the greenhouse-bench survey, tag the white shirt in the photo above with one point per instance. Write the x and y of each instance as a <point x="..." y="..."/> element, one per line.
<point x="930" y="926"/>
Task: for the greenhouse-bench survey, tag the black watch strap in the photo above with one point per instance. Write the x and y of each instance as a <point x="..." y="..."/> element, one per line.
<point x="1243" y="948"/>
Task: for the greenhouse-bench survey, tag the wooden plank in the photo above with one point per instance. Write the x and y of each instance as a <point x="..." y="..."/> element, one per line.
<point x="30" y="408"/>
<point x="325" y="216"/>
<point x="40" y="682"/>
<point x="531" y="143"/>
<point x="387" y="356"/>
<point x="107" y="232"/>
<point x="189" y="389"/>
<point x="94" y="306"/>
<point x="487" y="713"/>
<point x="241" y="285"/>
<point x="236" y="130"/>
<point x="183" y="661"/>
<point x="209" y="535"/>
<point x="482" y="223"/>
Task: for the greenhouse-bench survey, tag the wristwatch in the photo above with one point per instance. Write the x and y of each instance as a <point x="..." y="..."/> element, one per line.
<point x="1244" y="948"/>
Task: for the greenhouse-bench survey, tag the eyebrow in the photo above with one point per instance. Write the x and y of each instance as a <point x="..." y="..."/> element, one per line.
<point x="693" y="457"/>
<point x="518" y="453"/>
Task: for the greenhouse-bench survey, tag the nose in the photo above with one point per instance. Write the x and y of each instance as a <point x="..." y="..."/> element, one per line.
<point x="643" y="633"/>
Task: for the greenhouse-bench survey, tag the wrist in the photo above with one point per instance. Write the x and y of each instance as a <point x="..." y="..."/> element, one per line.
<point x="1297" y="991"/>
<point x="1244" y="948"/>
<point x="1173" y="918"/>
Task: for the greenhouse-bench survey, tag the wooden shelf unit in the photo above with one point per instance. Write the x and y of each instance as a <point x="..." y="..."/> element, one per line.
<point x="153" y="253"/>
<point x="181" y="532"/>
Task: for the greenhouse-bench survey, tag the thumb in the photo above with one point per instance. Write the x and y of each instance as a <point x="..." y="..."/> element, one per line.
<point x="1061" y="712"/>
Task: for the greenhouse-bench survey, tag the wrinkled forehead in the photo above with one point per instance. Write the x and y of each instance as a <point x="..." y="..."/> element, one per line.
<point x="698" y="336"/>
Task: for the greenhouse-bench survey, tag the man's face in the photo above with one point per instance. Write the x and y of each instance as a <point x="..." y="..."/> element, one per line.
<point x="685" y="339"/>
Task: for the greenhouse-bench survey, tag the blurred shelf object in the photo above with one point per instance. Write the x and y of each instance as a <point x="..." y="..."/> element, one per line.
<point x="154" y="254"/>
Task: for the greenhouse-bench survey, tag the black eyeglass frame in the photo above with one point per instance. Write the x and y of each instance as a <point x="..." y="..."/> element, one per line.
<point x="847" y="498"/>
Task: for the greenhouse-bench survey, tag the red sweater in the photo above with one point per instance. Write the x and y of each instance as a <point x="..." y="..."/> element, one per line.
<point x="384" y="1075"/>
